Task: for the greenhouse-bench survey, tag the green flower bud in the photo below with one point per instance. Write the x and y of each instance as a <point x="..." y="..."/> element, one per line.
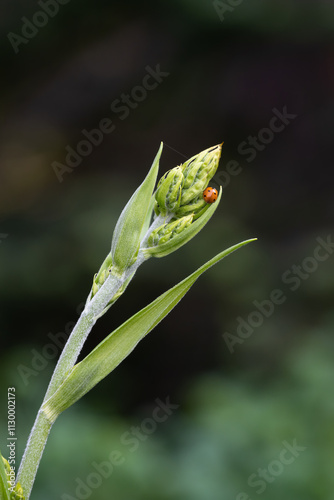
<point x="166" y="232"/>
<point x="197" y="172"/>
<point x="168" y="194"/>
<point x="180" y="190"/>
<point x="17" y="494"/>
<point x="105" y="271"/>
<point x="173" y="235"/>
<point x="196" y="206"/>
<point x="102" y="275"/>
<point x="14" y="492"/>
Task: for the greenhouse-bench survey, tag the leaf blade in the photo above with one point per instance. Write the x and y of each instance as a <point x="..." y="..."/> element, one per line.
<point x="126" y="237"/>
<point x="120" y="343"/>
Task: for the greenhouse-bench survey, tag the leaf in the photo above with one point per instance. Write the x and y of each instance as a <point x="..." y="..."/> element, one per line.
<point x="148" y="218"/>
<point x="126" y="237"/>
<point x="118" y="345"/>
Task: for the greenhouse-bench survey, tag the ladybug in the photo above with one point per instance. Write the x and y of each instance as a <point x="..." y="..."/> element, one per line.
<point x="210" y="195"/>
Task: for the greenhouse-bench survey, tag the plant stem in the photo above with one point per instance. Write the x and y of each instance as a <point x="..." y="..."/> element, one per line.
<point x="42" y="426"/>
<point x="33" y="452"/>
<point x="40" y="431"/>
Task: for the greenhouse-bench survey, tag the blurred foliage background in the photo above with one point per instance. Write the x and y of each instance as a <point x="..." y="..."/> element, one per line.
<point x="228" y="68"/>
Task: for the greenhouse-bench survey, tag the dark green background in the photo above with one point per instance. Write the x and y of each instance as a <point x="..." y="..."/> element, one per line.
<point x="225" y="78"/>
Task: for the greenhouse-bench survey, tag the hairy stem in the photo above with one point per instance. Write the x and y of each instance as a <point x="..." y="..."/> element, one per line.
<point x="40" y="431"/>
<point x="93" y="309"/>
<point x="34" y="450"/>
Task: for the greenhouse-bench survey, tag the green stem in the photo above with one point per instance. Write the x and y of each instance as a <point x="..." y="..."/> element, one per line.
<point x="93" y="309"/>
<point x="40" y="431"/>
<point x="34" y="450"/>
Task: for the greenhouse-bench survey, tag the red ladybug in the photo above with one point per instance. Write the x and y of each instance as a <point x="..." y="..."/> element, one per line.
<point x="210" y="195"/>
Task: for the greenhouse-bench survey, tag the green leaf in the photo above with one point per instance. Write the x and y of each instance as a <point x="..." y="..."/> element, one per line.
<point x="118" y="345"/>
<point x="148" y="218"/>
<point x="126" y="237"/>
<point x="4" y="492"/>
<point x="182" y="238"/>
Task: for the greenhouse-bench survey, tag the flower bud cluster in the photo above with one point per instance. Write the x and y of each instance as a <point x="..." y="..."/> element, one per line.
<point x="181" y="212"/>
<point x="167" y="231"/>
<point x="179" y="202"/>
<point x="180" y="191"/>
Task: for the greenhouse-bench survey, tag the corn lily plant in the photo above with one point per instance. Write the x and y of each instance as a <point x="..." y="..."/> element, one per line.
<point x="152" y="224"/>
